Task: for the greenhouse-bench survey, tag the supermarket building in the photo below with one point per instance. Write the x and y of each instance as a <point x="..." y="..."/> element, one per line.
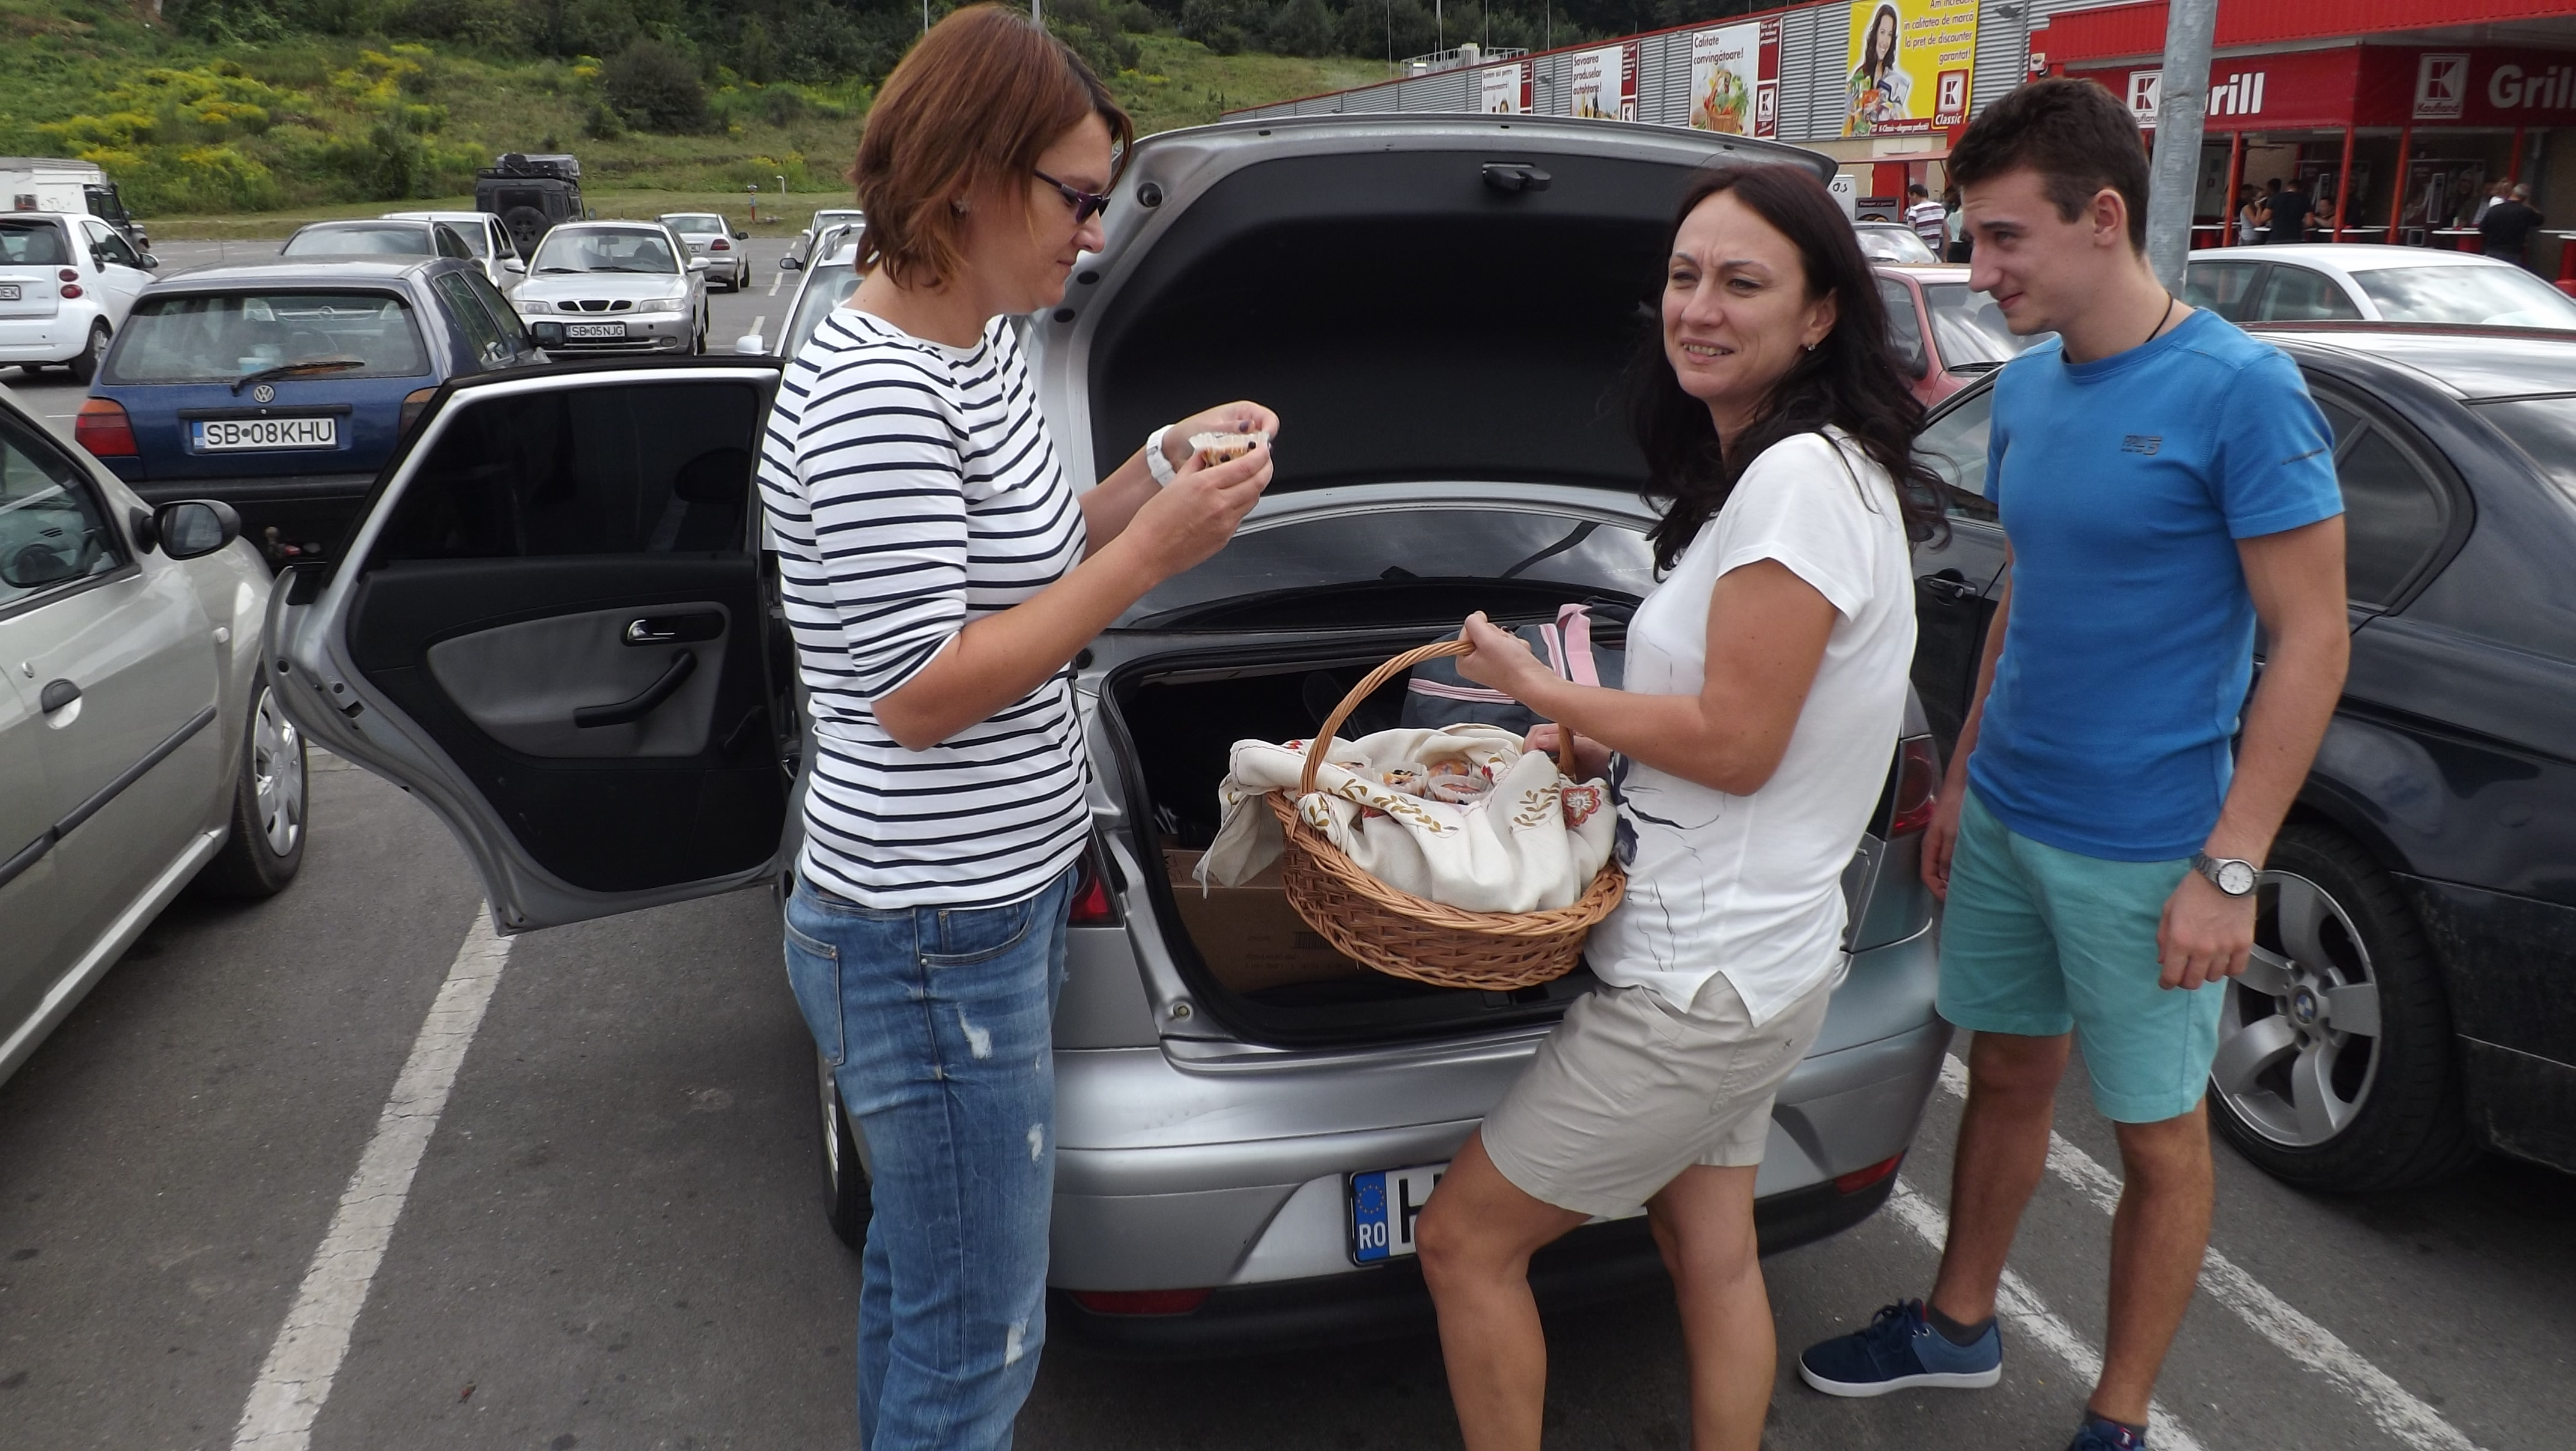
<point x="2395" y="115"/>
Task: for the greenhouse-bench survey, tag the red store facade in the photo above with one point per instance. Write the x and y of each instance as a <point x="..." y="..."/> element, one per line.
<point x="2395" y="133"/>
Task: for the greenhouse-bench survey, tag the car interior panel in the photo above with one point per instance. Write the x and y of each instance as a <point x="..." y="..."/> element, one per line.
<point x="565" y="599"/>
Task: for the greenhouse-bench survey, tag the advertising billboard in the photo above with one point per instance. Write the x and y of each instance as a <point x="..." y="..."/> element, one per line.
<point x="1909" y="66"/>
<point x="1735" y="79"/>
<point x="1605" y="85"/>
<point x="1503" y="90"/>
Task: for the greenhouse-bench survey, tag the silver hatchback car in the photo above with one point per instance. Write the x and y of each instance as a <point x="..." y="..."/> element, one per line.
<point x="1438" y="306"/>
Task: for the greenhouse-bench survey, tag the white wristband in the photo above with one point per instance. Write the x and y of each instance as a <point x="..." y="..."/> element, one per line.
<point x="1155" y="464"/>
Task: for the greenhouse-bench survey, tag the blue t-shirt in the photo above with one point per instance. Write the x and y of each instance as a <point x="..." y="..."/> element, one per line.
<point x="2124" y="484"/>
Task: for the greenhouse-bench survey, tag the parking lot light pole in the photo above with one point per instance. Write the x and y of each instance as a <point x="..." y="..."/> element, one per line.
<point x="2181" y="108"/>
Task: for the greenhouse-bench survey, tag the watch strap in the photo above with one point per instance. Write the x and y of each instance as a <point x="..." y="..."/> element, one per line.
<point x="2213" y="869"/>
<point x="1155" y="463"/>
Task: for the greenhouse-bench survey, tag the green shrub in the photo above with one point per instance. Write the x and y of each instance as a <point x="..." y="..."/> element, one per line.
<point x="655" y="88"/>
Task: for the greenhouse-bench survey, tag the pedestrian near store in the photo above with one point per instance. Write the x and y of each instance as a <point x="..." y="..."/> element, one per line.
<point x="2249" y="216"/>
<point x="2164" y="483"/>
<point x="938" y="575"/>
<point x="2505" y="231"/>
<point x="2285" y="214"/>
<point x="1929" y="219"/>
<point x="1957" y="250"/>
<point x="1764" y="692"/>
<point x="2496" y="193"/>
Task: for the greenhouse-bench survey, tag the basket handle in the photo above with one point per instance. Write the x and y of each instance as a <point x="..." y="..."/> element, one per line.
<point x="1323" y="740"/>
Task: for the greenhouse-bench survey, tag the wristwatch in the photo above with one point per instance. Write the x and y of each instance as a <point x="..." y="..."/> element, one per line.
<point x="1155" y="464"/>
<point x="2233" y="875"/>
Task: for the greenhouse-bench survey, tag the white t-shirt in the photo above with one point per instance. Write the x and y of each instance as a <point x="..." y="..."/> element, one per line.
<point x="1751" y="886"/>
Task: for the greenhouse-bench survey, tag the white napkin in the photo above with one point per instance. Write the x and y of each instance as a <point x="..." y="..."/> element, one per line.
<point x="1531" y="844"/>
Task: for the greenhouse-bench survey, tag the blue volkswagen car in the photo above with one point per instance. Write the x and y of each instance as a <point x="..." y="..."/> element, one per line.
<point x="280" y="387"/>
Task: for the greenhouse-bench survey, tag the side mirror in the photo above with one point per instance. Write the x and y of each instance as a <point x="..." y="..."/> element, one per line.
<point x="699" y="264"/>
<point x="547" y="334"/>
<point x="188" y="529"/>
<point x="513" y="264"/>
<point x="740" y="235"/>
<point x="749" y="345"/>
<point x="36" y="566"/>
<point x="790" y="264"/>
<point x="150" y="262"/>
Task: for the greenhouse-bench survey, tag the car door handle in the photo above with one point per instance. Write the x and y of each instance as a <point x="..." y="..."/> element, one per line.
<point x="668" y="629"/>
<point x="1948" y="585"/>
<point x="625" y="712"/>
<point x="56" y="695"/>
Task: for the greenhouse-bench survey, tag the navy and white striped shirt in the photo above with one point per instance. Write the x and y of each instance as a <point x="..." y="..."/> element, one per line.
<point x="912" y="488"/>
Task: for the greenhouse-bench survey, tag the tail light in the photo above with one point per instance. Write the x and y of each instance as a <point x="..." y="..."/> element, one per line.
<point x="104" y="430"/>
<point x="67" y="275"/>
<point x="413" y="402"/>
<point x="1918" y="786"/>
<point x="1140" y="1302"/>
<point x="720" y="245"/>
<point x="1859" y="1179"/>
<point x="71" y="290"/>
<point x="1091" y="904"/>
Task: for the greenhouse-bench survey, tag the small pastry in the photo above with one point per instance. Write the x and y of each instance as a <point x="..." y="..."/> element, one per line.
<point x="1218" y="448"/>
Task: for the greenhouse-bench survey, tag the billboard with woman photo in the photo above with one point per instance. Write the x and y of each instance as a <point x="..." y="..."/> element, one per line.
<point x="1911" y="62"/>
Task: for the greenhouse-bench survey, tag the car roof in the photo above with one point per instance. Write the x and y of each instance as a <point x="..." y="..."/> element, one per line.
<point x="610" y="224"/>
<point x="52" y="216"/>
<point x="337" y="224"/>
<point x="434" y="216"/>
<point x="303" y="271"/>
<point x="2472" y="363"/>
<point x="2347" y="257"/>
<point x="666" y="216"/>
<point x="1925" y="271"/>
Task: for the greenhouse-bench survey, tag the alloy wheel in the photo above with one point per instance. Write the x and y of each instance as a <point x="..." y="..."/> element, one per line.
<point x="2298" y="1039"/>
<point x="277" y="775"/>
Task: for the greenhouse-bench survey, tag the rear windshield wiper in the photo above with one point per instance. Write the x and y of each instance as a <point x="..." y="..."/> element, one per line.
<point x="290" y="370"/>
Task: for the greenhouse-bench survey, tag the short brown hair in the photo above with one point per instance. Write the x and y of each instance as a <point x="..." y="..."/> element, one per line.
<point x="2075" y="134"/>
<point x="976" y="100"/>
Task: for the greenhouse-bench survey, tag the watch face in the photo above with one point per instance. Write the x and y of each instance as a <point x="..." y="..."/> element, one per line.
<point x="2235" y="878"/>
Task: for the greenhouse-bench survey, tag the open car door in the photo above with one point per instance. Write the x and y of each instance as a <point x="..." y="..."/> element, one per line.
<point x="550" y="625"/>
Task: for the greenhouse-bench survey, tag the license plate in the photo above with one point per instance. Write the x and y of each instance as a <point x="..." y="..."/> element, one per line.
<point x="1385" y="1205"/>
<point x="594" y="329"/>
<point x="221" y="435"/>
<point x="10" y="292"/>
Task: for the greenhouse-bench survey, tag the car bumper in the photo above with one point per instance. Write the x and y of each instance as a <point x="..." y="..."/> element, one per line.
<point x="1139" y="1206"/>
<point x="644" y="335"/>
<point x="56" y="339"/>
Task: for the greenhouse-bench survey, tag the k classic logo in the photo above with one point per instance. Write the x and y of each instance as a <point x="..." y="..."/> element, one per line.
<point x="2441" y="87"/>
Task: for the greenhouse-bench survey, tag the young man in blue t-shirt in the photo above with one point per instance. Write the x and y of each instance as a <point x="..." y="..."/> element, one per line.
<point x="2164" y="483"/>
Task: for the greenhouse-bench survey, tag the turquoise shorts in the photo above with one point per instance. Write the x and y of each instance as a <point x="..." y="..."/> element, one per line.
<point x="2036" y="941"/>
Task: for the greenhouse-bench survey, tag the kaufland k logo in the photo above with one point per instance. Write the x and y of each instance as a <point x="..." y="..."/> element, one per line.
<point x="2146" y="92"/>
<point x="2441" y="87"/>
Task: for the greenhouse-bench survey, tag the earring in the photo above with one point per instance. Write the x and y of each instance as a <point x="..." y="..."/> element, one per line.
<point x="958" y="205"/>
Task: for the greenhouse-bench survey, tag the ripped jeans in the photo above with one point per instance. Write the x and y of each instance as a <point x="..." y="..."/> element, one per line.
<point x="938" y="1024"/>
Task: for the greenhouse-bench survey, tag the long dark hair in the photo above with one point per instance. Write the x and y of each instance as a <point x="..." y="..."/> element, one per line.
<point x="1849" y="381"/>
<point x="1873" y="61"/>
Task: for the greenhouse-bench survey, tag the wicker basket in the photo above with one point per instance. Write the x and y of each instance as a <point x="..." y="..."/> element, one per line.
<point x="1412" y="937"/>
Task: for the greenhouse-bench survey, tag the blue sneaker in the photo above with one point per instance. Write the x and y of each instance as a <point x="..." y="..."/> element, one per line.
<point x="2097" y="1435"/>
<point x="1901" y="1349"/>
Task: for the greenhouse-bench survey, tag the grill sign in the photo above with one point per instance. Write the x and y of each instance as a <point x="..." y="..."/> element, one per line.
<point x="219" y="435"/>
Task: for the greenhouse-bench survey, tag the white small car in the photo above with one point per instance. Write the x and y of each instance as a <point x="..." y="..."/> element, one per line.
<point x="710" y="236"/>
<point x="485" y="236"/>
<point x="66" y="284"/>
<point x="2370" y="282"/>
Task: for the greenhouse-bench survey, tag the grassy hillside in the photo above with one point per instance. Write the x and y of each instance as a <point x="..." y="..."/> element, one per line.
<point x="198" y="133"/>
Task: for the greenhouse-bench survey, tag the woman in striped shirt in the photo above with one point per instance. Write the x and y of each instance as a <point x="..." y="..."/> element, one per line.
<point x="938" y="574"/>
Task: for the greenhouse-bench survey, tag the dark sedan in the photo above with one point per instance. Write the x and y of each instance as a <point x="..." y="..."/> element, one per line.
<point x="281" y="387"/>
<point x="2413" y="1000"/>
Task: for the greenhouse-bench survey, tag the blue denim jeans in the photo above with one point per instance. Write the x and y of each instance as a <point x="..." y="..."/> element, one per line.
<point x="938" y="1024"/>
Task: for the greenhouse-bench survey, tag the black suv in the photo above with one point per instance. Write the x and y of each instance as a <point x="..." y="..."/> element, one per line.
<point x="2410" y="1001"/>
<point x="530" y="194"/>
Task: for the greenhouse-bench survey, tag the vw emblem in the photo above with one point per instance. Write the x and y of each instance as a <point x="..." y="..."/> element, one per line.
<point x="262" y="393"/>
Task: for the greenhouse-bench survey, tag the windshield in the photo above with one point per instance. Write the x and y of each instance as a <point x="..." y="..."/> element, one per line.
<point x="216" y="339"/>
<point x="565" y="251"/>
<point x="834" y="219"/>
<point x="398" y="239"/>
<point x="2493" y="296"/>
<point x="2544" y="428"/>
<point x="1890" y="243"/>
<point x="33" y="244"/>
<point x="1970" y="328"/>
<point x="1397" y="545"/>
<point x="826" y="287"/>
<point x="694" y="226"/>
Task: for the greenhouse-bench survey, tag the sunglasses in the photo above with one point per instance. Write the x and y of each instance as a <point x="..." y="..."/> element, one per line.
<point x="1085" y="204"/>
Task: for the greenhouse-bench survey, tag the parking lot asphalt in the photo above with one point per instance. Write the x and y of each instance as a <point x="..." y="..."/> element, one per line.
<point x="614" y="1236"/>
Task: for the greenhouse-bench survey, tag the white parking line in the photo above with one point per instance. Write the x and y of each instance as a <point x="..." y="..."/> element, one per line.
<point x="756" y="322"/>
<point x="2392" y="1406"/>
<point x="315" y="1338"/>
<point x="775" y="279"/>
<point x="2017" y="1302"/>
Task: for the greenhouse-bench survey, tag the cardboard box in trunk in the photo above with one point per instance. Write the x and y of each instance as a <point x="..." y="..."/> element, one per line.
<point x="1249" y="936"/>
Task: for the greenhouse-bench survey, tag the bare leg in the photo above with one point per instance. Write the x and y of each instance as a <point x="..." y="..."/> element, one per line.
<point x="2003" y="1149"/>
<point x="1704" y="1223"/>
<point x="1476" y="1237"/>
<point x="2157" y="1240"/>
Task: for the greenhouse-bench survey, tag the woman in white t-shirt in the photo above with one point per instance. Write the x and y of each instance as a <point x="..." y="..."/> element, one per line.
<point x="1765" y="688"/>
